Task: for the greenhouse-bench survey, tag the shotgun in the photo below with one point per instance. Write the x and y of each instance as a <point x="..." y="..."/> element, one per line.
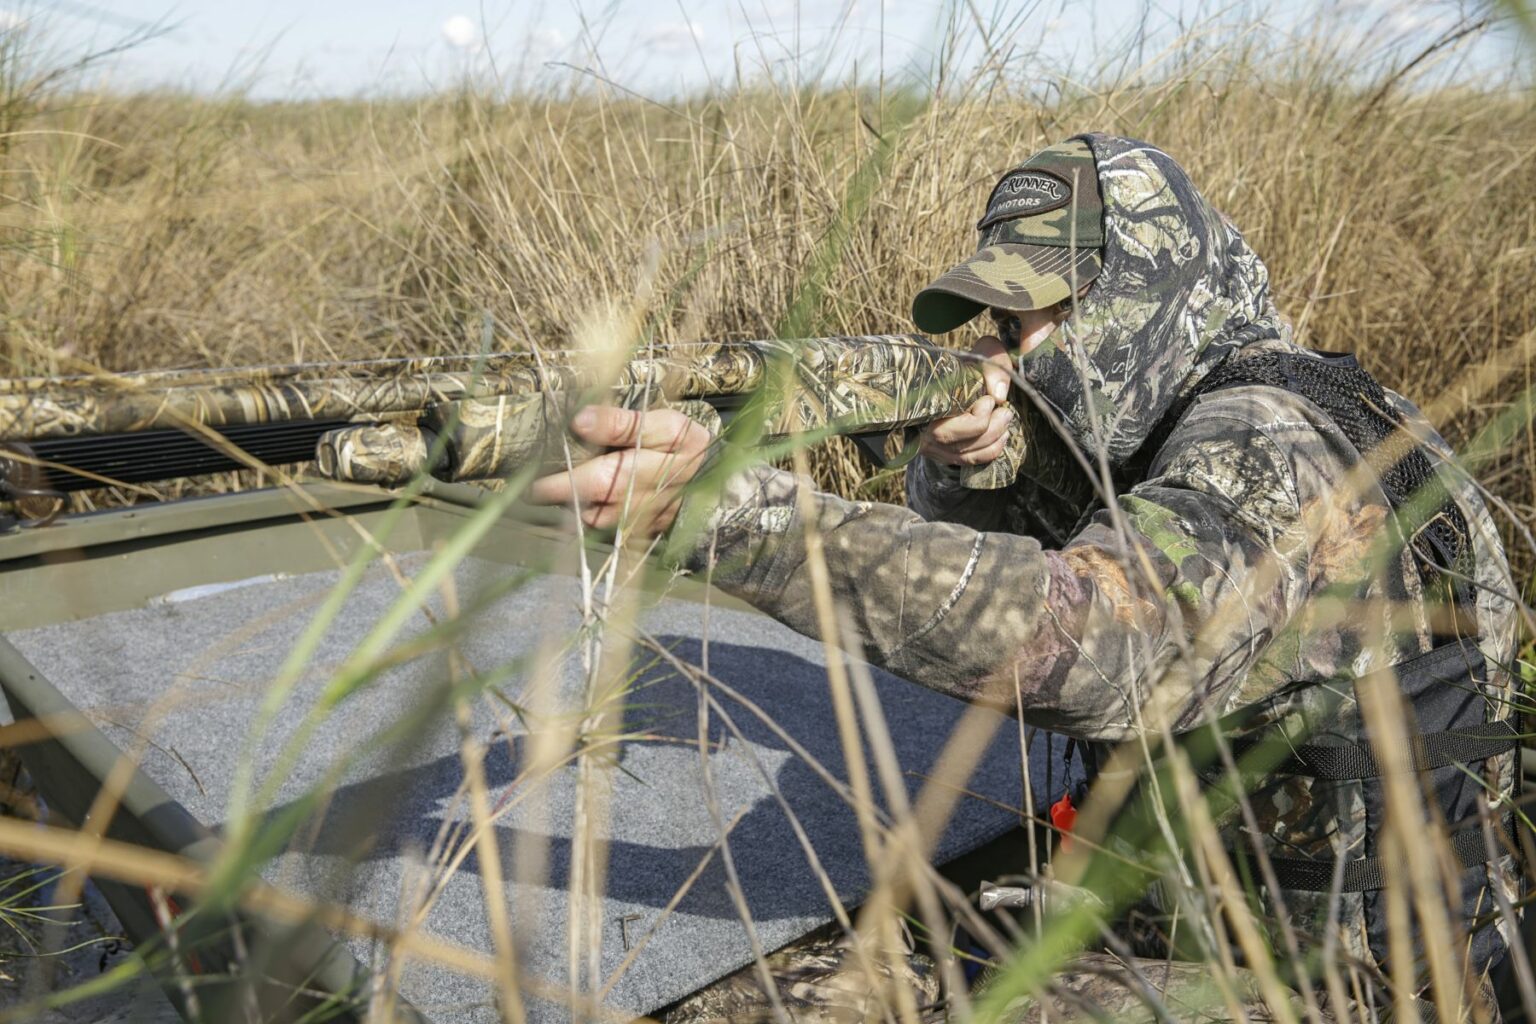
<point x="470" y="418"/>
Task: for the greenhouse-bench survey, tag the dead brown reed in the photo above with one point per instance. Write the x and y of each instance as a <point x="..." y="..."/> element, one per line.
<point x="157" y="230"/>
<point x="165" y="230"/>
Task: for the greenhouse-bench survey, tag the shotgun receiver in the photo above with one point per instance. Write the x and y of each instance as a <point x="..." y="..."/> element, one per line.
<point x="464" y="418"/>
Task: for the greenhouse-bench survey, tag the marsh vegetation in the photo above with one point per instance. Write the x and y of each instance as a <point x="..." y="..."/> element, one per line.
<point x="1390" y="199"/>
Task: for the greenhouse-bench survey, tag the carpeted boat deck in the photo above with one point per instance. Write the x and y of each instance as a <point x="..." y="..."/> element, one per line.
<point x="179" y="683"/>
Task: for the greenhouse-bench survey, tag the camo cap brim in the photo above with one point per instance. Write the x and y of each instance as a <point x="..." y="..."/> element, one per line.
<point x="1008" y="276"/>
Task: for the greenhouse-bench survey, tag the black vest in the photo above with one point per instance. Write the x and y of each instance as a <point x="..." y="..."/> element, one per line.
<point x="1445" y="685"/>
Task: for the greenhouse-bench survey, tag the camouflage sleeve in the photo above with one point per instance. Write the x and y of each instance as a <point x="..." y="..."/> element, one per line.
<point x="1078" y="634"/>
<point x="934" y="492"/>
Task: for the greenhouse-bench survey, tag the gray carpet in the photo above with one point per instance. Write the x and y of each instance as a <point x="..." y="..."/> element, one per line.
<point x="215" y="650"/>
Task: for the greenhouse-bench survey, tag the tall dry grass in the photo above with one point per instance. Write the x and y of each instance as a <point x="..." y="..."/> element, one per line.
<point x="155" y="230"/>
<point x="159" y="230"/>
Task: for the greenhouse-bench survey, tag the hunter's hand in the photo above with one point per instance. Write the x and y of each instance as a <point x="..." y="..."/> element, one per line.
<point x="655" y="455"/>
<point x="975" y="437"/>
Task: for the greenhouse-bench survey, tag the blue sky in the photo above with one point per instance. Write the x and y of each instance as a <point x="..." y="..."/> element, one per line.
<point x="305" y="48"/>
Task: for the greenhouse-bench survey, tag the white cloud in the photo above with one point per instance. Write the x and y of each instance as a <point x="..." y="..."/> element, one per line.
<point x="1405" y="22"/>
<point x="546" y="39"/>
<point x="1387" y="18"/>
<point x="673" y="36"/>
<point x="461" y="32"/>
<point x="12" y="21"/>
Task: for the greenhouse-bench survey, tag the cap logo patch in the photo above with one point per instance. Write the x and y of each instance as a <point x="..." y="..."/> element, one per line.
<point x="1024" y="193"/>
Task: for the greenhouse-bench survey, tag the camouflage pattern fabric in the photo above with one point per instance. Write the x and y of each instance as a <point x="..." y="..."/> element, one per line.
<point x="1180" y="288"/>
<point x="1250" y="555"/>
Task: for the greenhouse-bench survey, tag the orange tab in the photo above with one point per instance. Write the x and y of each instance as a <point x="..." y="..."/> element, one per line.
<point x="1063" y="816"/>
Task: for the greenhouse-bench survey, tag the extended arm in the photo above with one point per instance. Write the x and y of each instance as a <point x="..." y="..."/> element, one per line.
<point x="1081" y="634"/>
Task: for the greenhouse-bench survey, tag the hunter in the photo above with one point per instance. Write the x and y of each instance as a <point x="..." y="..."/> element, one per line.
<point x="1212" y="525"/>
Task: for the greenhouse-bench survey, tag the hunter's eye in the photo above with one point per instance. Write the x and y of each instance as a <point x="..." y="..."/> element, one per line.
<point x="1009" y="329"/>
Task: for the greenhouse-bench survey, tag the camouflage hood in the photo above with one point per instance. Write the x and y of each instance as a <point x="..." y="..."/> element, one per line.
<point x="1179" y="290"/>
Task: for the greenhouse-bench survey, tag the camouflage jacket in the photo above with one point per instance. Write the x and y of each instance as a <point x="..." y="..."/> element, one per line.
<point x="1243" y="560"/>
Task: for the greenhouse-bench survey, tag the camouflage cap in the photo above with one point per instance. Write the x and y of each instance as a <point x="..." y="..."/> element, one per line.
<point x="1043" y="230"/>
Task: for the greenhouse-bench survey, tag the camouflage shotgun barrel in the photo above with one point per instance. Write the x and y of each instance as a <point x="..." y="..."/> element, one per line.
<point x="463" y="418"/>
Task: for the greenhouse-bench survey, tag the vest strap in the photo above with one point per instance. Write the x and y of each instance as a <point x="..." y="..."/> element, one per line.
<point x="1369" y="874"/>
<point x="1360" y="408"/>
<point x="1347" y="761"/>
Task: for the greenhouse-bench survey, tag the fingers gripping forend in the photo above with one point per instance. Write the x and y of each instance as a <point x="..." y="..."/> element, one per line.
<point x="1004" y="469"/>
